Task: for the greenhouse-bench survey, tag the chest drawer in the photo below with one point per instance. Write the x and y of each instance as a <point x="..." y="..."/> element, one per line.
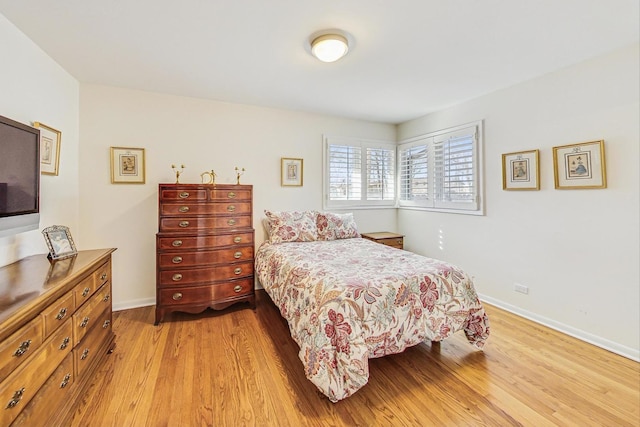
<point x="177" y="209"/>
<point x="58" y="312"/>
<point x="89" y="314"/>
<point x="204" y="223"/>
<point x="20" y="346"/>
<point x="191" y="194"/>
<point x="203" y="241"/>
<point x="201" y="258"/>
<point x="200" y="294"/>
<point x="219" y="194"/>
<point x="191" y="276"/>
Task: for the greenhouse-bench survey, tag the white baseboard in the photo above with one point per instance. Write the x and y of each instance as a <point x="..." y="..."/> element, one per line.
<point x="614" y="347"/>
<point x="126" y="305"/>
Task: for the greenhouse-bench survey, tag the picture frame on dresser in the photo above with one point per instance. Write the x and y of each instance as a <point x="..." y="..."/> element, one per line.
<point x="59" y="242"/>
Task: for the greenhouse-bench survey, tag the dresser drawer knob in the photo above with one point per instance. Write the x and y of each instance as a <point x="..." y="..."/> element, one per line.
<point x="237" y="255"/>
<point x="184" y="195"/>
<point x="237" y="288"/>
<point x="65" y="381"/>
<point x="86" y="291"/>
<point x="106" y="298"/>
<point x="24" y="347"/>
<point x="184" y="224"/>
<point x="231" y="208"/>
<point x="237" y="239"/>
<point x="176" y="259"/>
<point x="184" y="209"/>
<point x="65" y="343"/>
<point x="61" y="313"/>
<point x="84" y="322"/>
<point x="176" y="243"/>
<point x="237" y="271"/>
<point x="84" y="354"/>
<point x="106" y="324"/>
<point x="177" y="296"/>
<point x="176" y="277"/>
<point x="231" y="222"/>
<point x="17" y="397"/>
<point x="104" y="276"/>
<point x="231" y="195"/>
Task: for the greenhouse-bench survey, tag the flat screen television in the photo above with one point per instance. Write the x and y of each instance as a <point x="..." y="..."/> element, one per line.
<point x="19" y="177"/>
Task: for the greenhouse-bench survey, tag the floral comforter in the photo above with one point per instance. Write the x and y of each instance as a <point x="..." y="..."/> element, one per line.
<point x="352" y="299"/>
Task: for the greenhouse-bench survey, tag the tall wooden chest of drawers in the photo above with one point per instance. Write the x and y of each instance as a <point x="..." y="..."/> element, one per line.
<point x="204" y="247"/>
<point x="55" y="330"/>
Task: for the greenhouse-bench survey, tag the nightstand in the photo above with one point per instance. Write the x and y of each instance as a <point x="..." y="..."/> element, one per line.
<point x="386" y="238"/>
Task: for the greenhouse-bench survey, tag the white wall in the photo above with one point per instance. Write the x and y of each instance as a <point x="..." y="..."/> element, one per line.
<point x="34" y="88"/>
<point x="203" y="135"/>
<point x="576" y="250"/>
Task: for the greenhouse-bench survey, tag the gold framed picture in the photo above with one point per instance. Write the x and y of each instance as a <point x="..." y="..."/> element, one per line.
<point x="127" y="165"/>
<point x="577" y="166"/>
<point x="291" y="172"/>
<point x="59" y="242"/>
<point x="521" y="170"/>
<point x="49" y="149"/>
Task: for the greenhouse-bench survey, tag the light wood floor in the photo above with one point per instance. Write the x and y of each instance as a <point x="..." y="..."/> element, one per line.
<point x="240" y="367"/>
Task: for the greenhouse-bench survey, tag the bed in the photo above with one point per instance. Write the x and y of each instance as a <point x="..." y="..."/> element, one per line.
<point x="347" y="299"/>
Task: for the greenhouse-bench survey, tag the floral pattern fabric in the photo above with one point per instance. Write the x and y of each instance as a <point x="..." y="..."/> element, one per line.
<point x="333" y="226"/>
<point x="292" y="226"/>
<point x="350" y="300"/>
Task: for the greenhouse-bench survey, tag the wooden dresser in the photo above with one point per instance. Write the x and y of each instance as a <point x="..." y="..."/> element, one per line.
<point x="55" y="330"/>
<point x="204" y="247"/>
<point x="386" y="238"/>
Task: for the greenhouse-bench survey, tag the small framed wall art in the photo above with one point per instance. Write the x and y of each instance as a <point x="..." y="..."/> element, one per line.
<point x="580" y="165"/>
<point x="59" y="242"/>
<point x="49" y="149"/>
<point x="127" y="165"/>
<point x="521" y="170"/>
<point x="291" y="172"/>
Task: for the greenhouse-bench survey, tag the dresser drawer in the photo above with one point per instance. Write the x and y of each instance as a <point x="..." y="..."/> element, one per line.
<point x="206" y="294"/>
<point x="103" y="274"/>
<point x="205" y="223"/>
<point x="202" y="242"/>
<point x="190" y="194"/>
<point x="178" y="277"/>
<point x="184" y="209"/>
<point x="89" y="314"/>
<point x="230" y="194"/>
<point x="87" y="351"/>
<point x="20" y="346"/>
<point x="58" y="312"/>
<point x="202" y="258"/>
<point x="23" y="383"/>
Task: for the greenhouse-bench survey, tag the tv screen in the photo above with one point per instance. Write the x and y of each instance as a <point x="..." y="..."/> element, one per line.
<point x="19" y="177"/>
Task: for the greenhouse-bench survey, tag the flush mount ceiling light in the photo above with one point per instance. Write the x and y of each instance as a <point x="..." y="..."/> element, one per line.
<point x="329" y="47"/>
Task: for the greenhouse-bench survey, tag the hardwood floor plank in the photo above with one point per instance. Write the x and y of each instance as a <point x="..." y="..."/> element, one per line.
<point x="241" y="367"/>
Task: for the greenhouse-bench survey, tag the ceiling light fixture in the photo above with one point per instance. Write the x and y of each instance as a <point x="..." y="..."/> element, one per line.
<point x="329" y="47"/>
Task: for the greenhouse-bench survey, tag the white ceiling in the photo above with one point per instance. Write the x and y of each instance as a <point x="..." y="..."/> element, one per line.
<point x="408" y="57"/>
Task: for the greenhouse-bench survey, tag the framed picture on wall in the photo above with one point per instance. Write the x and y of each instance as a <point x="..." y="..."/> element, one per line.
<point x="291" y="172"/>
<point x="127" y="165"/>
<point x="521" y="170"/>
<point x="49" y="149"/>
<point x="580" y="166"/>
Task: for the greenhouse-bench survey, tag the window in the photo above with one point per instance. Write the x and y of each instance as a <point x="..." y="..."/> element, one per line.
<point x="441" y="170"/>
<point x="359" y="173"/>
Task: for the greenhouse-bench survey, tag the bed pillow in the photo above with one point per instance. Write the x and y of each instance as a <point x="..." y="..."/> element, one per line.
<point x="292" y="226"/>
<point x="332" y="226"/>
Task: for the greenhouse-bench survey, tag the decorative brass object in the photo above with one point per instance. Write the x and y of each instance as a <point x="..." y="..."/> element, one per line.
<point x="208" y="177"/>
<point x="178" y="172"/>
<point x="239" y="173"/>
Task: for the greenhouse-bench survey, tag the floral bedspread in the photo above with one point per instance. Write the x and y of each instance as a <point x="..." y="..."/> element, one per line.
<point x="350" y="300"/>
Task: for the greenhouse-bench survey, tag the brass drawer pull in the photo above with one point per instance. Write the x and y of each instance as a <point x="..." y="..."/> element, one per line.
<point x="231" y="222"/>
<point x="84" y="322"/>
<point x="231" y="208"/>
<point x="237" y="239"/>
<point x="176" y="243"/>
<point x="24" y="347"/>
<point x="106" y="298"/>
<point x="177" y="296"/>
<point x="176" y="277"/>
<point x="231" y="195"/>
<point x="176" y="259"/>
<point x="86" y="291"/>
<point x="65" y="381"/>
<point x="65" y="343"/>
<point x="184" y="209"/>
<point x="183" y="195"/>
<point x="106" y="324"/>
<point x="184" y="224"/>
<point x="85" y="353"/>
<point x="237" y="271"/>
<point x="237" y="289"/>
<point x="104" y="276"/>
<point x="17" y="396"/>
<point x="61" y="313"/>
<point x="237" y="255"/>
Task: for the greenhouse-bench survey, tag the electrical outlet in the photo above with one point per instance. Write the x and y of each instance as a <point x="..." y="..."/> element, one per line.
<point x="520" y="288"/>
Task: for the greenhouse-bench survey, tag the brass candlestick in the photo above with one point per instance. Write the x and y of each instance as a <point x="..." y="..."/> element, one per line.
<point x="178" y="172"/>
<point x="238" y="174"/>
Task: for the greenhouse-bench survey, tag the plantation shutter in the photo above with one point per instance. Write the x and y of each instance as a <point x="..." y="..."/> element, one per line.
<point x="345" y="172"/>
<point x="380" y="173"/>
<point x="414" y="173"/>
